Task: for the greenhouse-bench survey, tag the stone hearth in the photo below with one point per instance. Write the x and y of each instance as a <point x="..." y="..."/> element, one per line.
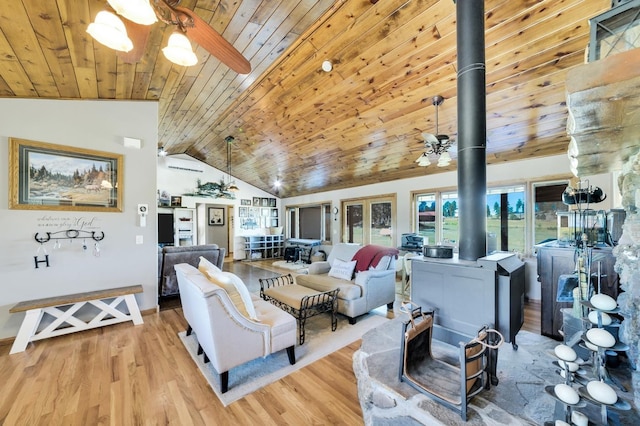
<point x="518" y="399"/>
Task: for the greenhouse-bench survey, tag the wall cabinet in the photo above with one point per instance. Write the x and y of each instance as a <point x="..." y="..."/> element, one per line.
<point x="554" y="261"/>
<point x="263" y="246"/>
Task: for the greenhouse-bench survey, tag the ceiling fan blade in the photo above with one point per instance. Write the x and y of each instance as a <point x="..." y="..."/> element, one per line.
<point x="214" y="43"/>
<point x="430" y="138"/>
<point x="139" y="34"/>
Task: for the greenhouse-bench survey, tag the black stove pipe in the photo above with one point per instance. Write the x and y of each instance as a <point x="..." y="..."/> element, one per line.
<point x="472" y="129"/>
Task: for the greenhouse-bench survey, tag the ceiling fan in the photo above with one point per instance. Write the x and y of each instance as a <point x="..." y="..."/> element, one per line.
<point x="436" y="143"/>
<point x="129" y="32"/>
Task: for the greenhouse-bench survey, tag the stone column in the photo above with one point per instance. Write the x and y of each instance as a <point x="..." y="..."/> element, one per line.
<point x="627" y="254"/>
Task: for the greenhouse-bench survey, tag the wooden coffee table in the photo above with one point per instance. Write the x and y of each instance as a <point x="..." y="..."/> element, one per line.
<point x="301" y="302"/>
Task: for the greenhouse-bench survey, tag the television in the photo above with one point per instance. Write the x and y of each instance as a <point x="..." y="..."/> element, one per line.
<point x="165" y="229"/>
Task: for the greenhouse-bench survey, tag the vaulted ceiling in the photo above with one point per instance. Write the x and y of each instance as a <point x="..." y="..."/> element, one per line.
<point x="358" y="124"/>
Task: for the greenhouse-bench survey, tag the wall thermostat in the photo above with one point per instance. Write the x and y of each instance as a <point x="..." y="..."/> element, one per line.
<point x="143" y="209"/>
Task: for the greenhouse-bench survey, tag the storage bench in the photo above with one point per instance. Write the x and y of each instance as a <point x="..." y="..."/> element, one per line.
<point x="65" y="322"/>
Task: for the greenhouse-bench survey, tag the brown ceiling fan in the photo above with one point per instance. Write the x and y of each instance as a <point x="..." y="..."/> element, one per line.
<point x="136" y="18"/>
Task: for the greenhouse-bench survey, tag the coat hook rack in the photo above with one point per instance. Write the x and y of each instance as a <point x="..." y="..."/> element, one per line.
<point x="69" y="234"/>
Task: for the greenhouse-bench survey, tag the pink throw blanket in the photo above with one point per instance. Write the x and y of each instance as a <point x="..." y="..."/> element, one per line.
<point x="369" y="256"/>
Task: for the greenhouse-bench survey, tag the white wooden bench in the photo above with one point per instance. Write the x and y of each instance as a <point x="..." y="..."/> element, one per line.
<point x="65" y="322"/>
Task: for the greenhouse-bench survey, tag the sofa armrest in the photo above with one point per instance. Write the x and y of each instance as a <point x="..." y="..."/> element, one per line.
<point x="378" y="287"/>
<point x="317" y="268"/>
<point x="363" y="278"/>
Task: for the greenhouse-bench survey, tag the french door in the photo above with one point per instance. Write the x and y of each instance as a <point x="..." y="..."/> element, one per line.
<point x="370" y="221"/>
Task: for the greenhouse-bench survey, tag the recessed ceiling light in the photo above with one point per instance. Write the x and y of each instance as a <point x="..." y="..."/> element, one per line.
<point x="327" y="66"/>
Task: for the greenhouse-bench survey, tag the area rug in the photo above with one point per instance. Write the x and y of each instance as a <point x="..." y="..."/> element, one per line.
<point x="291" y="266"/>
<point x="319" y="342"/>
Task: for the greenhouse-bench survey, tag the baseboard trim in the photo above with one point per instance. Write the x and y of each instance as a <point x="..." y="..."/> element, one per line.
<point x="153" y="310"/>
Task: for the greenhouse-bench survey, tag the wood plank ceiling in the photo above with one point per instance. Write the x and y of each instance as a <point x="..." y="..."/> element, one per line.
<point x="358" y="124"/>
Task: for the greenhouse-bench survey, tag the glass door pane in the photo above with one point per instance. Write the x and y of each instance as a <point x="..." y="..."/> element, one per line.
<point x="450" y="218"/>
<point x="426" y="217"/>
<point x="354" y="231"/>
<point x="380" y="230"/>
<point x="369" y="221"/>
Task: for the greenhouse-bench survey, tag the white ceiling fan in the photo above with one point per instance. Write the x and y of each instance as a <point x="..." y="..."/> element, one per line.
<point x="436" y="143"/>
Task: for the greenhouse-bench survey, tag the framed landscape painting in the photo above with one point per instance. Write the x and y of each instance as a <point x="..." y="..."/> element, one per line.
<point x="44" y="176"/>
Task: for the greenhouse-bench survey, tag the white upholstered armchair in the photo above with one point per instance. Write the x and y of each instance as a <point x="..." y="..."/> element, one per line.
<point x="227" y="337"/>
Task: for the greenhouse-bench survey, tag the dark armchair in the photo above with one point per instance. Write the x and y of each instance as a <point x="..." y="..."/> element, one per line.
<point x="170" y="255"/>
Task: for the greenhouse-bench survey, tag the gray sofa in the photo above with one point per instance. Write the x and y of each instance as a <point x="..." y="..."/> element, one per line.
<point x="169" y="256"/>
<point x="369" y="289"/>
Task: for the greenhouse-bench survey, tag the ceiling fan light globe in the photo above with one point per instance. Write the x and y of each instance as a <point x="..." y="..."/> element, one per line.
<point x="109" y="30"/>
<point x="179" y="50"/>
<point x="423" y="160"/>
<point x="444" y="160"/>
<point x="138" y="11"/>
<point x="233" y="188"/>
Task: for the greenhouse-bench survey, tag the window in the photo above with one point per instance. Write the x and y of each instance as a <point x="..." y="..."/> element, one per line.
<point x="426" y="217"/>
<point x="309" y="222"/>
<point x="369" y="221"/>
<point x="450" y="217"/>
<point x="506" y="218"/>
<point x="547" y="202"/>
<point x="512" y="224"/>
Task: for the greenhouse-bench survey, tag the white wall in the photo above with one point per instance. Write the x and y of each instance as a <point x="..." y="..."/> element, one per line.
<point x="512" y="172"/>
<point x="179" y="182"/>
<point x="98" y="125"/>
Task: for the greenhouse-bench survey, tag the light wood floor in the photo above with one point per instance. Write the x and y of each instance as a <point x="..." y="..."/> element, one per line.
<point x="135" y="375"/>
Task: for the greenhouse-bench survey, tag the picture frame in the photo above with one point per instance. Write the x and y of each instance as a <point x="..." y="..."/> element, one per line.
<point x="176" y="201"/>
<point x="47" y="176"/>
<point x="164" y="199"/>
<point x="265" y="202"/>
<point x="274" y="212"/>
<point x="216" y="216"/>
<point x="256" y="201"/>
<point x="245" y="202"/>
<point x="272" y="202"/>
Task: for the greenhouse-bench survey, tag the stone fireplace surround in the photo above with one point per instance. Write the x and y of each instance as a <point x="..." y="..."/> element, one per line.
<point x="627" y="254"/>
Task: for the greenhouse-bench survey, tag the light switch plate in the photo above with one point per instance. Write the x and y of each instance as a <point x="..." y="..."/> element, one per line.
<point x="139" y="239"/>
